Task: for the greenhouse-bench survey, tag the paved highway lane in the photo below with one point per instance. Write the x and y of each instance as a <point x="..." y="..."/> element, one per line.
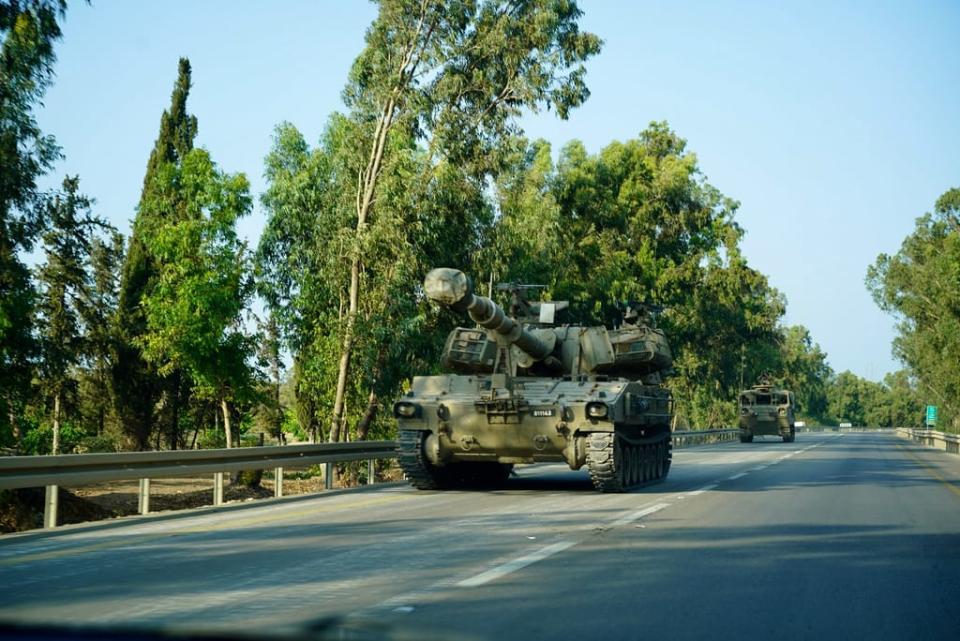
<point x="834" y="536"/>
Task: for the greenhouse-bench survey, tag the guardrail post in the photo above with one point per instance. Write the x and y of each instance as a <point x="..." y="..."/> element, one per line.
<point x="50" y="507"/>
<point x="218" y="488"/>
<point x="328" y="476"/>
<point x="278" y="482"/>
<point x="143" y="501"/>
<point x="371" y="472"/>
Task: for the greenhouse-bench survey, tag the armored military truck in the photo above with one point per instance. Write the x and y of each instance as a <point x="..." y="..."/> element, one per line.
<point x="767" y="411"/>
<point x="521" y="388"/>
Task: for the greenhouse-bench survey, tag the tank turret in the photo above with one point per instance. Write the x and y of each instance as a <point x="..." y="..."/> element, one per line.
<point x="452" y="288"/>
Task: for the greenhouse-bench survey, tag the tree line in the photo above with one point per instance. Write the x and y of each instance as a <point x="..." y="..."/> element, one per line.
<point x="151" y="341"/>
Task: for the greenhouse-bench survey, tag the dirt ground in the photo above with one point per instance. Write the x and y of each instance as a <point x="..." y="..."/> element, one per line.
<point x="23" y="509"/>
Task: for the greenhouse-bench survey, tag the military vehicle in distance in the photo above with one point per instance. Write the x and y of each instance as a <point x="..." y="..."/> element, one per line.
<point x="767" y="411"/>
<point x="522" y="389"/>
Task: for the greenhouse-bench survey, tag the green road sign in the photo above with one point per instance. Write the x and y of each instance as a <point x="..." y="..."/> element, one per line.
<point x="931" y="415"/>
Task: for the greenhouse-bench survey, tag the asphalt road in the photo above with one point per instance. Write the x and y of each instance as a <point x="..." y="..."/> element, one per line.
<point x="835" y="536"/>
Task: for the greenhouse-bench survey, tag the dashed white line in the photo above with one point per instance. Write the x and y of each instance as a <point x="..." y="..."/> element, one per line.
<point x="737" y="476"/>
<point x="516" y="564"/>
<point x="639" y="514"/>
<point x="705" y="488"/>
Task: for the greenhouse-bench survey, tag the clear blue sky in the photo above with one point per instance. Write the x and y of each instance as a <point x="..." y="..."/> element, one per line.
<point x="835" y="124"/>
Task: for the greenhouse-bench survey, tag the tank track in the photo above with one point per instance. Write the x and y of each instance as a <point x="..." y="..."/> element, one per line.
<point x="424" y="475"/>
<point x="420" y="473"/>
<point x="617" y="465"/>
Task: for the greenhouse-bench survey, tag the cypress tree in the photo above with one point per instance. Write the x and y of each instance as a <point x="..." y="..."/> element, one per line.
<point x="137" y="385"/>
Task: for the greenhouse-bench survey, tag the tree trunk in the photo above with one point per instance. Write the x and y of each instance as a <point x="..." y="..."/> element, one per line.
<point x="175" y="411"/>
<point x="56" y="423"/>
<point x="363" y="427"/>
<point x="226" y="422"/>
<point x="15" y="428"/>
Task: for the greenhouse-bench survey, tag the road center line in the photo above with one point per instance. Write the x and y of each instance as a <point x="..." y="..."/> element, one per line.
<point x="736" y="476"/>
<point x="516" y="564"/>
<point x="705" y="488"/>
<point x="639" y="514"/>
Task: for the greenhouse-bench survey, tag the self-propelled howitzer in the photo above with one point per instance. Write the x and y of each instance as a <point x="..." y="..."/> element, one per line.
<point x="521" y="389"/>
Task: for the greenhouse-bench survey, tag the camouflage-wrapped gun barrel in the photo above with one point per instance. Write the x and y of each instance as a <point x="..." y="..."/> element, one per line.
<point x="452" y="288"/>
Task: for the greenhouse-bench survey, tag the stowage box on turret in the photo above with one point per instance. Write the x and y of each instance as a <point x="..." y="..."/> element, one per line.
<point x="522" y="389"/>
<point x="767" y="411"/>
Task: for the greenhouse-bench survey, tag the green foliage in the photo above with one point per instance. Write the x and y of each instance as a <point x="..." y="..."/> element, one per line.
<point x="892" y="403"/>
<point x="193" y="311"/>
<point x="99" y="309"/>
<point x="40" y="439"/>
<point x="458" y="74"/>
<point x="920" y="286"/>
<point x="28" y="30"/>
<point x="65" y="283"/>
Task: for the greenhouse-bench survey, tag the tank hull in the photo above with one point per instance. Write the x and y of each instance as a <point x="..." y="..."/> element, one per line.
<point x="496" y="419"/>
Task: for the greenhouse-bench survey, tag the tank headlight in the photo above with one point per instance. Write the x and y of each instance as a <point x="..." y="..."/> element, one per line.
<point x="597" y="410"/>
<point x="403" y="409"/>
<point x="783" y="411"/>
<point x="744" y="410"/>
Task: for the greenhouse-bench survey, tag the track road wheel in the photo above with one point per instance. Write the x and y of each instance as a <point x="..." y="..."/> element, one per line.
<point x="605" y="461"/>
<point x="419" y="472"/>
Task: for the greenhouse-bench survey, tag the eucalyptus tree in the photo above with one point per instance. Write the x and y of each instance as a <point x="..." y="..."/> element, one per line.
<point x="920" y="287"/>
<point x="28" y="31"/>
<point x="137" y="386"/>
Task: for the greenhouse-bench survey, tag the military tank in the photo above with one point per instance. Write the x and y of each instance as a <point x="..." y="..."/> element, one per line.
<point x="767" y="411"/>
<point x="521" y="388"/>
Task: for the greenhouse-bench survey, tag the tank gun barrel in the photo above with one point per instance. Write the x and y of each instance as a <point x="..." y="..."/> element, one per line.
<point x="452" y="288"/>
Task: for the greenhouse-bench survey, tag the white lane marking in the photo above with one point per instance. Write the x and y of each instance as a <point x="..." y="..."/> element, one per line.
<point x="757" y="468"/>
<point x="705" y="488"/>
<point x="516" y="564"/>
<point x="736" y="476"/>
<point x="639" y="514"/>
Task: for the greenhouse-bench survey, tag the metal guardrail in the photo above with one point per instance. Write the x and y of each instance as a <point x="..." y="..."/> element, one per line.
<point x="80" y="469"/>
<point x="932" y="438"/>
